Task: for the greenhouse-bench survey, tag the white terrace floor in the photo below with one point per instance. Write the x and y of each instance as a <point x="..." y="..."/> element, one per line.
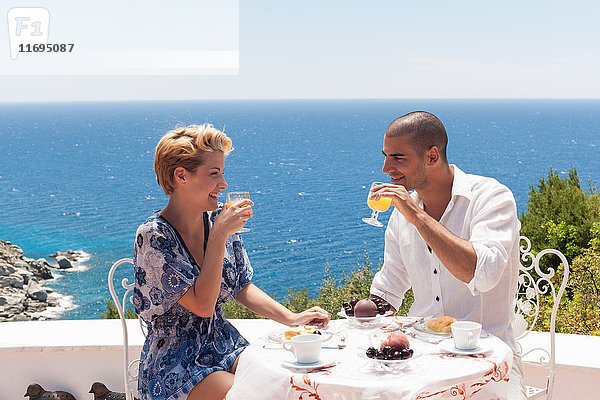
<point x="71" y="355"/>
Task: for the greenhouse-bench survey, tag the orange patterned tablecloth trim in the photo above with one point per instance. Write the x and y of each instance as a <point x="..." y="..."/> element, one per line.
<point x="464" y="391"/>
<point x="306" y="388"/>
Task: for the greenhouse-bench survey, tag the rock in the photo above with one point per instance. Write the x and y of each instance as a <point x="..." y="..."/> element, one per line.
<point x="36" y="292"/>
<point x="63" y="262"/>
<point x="6" y="269"/>
<point x="40" y="268"/>
<point x="14" y="280"/>
<point x="22" y="297"/>
<point x="71" y="255"/>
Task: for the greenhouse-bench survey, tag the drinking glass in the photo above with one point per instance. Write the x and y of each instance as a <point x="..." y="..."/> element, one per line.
<point x="377" y="206"/>
<point x="232" y="197"/>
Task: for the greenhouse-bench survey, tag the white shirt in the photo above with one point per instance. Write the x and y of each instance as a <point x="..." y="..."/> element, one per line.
<point x="482" y="211"/>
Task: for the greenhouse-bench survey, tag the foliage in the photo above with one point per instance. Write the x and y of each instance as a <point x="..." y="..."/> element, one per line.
<point x="563" y="216"/>
<point x="581" y="314"/>
<point x="110" y="311"/>
<point x="234" y="310"/>
<point x="560" y="214"/>
<point x="330" y="296"/>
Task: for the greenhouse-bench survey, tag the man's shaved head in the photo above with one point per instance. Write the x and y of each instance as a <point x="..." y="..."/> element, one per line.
<point x="425" y="130"/>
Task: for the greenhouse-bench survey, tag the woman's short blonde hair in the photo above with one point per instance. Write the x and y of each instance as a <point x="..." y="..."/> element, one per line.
<point x="186" y="147"/>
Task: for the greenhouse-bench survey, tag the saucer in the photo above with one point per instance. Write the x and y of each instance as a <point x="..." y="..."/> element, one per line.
<point x="447" y="346"/>
<point x="322" y="363"/>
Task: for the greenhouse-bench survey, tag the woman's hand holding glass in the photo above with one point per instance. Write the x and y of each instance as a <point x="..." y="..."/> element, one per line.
<point x="233" y="197"/>
<point x="234" y="216"/>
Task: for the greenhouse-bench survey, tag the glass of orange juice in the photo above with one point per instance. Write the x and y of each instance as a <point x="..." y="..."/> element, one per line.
<point x="232" y="197"/>
<point x="376" y="206"/>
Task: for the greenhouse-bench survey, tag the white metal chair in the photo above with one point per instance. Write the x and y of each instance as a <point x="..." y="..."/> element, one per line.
<point x="130" y="369"/>
<point x="527" y="307"/>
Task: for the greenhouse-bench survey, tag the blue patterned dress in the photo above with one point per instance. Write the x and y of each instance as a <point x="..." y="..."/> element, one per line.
<point x="182" y="348"/>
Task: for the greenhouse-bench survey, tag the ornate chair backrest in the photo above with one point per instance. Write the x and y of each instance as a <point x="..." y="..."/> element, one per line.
<point x="532" y="284"/>
<point x="130" y="369"/>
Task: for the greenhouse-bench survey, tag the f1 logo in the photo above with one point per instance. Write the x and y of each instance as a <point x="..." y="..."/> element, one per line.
<point x="27" y="26"/>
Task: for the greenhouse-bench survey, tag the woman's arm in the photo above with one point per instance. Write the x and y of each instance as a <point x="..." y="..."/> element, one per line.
<point x="202" y="296"/>
<point x="258" y="301"/>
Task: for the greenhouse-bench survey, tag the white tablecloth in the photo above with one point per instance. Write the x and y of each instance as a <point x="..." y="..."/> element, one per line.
<point x="433" y="375"/>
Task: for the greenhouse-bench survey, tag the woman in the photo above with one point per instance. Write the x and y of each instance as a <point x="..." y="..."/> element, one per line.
<point x="188" y="261"/>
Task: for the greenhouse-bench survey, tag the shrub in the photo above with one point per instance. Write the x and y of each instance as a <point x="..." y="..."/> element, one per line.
<point x="330" y="296"/>
<point x="110" y="311"/>
<point x="560" y="214"/>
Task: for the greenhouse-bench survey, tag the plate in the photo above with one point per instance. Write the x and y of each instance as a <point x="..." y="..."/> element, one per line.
<point x="447" y="346"/>
<point x="362" y="353"/>
<point x="364" y="320"/>
<point x="322" y="363"/>
<point x="279" y="335"/>
<point x="421" y="326"/>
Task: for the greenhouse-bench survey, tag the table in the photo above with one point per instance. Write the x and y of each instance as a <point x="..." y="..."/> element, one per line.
<point x="433" y="375"/>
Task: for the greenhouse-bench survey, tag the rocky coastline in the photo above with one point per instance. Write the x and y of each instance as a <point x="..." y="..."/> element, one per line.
<point x="23" y="296"/>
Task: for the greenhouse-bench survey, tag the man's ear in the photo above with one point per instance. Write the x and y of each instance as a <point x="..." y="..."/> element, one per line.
<point x="433" y="155"/>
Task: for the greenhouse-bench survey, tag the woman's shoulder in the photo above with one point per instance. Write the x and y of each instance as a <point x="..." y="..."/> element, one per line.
<point x="154" y="225"/>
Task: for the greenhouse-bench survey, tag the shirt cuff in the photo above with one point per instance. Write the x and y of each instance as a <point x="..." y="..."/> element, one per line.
<point x="477" y="281"/>
<point x="395" y="301"/>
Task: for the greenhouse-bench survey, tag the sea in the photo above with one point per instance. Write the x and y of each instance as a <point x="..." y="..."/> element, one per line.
<point x="79" y="175"/>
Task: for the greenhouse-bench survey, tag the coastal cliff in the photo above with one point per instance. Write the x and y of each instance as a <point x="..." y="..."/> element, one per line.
<point x="22" y="294"/>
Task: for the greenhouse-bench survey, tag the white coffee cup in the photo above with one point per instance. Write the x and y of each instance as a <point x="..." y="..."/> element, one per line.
<point x="466" y="334"/>
<point x="306" y="348"/>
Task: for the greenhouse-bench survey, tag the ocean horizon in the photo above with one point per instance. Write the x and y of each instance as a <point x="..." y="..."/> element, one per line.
<point x="78" y="175"/>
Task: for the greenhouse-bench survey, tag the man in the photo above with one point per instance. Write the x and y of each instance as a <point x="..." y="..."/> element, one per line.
<point x="454" y="239"/>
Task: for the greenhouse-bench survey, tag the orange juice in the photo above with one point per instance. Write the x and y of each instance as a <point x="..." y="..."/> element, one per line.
<point x="227" y="205"/>
<point x="380" y="205"/>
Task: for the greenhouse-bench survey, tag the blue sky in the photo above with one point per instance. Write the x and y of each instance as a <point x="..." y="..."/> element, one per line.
<point x="383" y="49"/>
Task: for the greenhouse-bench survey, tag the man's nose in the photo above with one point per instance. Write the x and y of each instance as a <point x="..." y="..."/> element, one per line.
<point x="387" y="168"/>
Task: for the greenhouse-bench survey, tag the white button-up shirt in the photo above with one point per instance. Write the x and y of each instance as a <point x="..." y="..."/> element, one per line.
<point x="481" y="211"/>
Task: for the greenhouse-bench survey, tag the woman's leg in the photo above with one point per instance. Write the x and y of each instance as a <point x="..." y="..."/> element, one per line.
<point x="235" y="363"/>
<point x="213" y="387"/>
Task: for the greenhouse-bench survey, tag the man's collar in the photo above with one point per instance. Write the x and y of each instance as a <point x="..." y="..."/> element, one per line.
<point x="460" y="184"/>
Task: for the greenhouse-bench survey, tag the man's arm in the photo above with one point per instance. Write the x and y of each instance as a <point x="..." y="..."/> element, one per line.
<point x="458" y="255"/>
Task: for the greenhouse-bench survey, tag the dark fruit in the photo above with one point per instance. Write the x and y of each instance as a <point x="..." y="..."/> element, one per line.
<point x="353" y="301"/>
<point x="397" y="355"/>
<point x="371" y="352"/>
<point x="348" y="309"/>
<point x="316" y="332"/>
<point x="406" y="354"/>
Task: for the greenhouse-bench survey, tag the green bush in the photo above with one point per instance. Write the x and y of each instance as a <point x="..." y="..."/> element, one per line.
<point x="561" y="215"/>
<point x="110" y="311"/>
<point x="330" y="295"/>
